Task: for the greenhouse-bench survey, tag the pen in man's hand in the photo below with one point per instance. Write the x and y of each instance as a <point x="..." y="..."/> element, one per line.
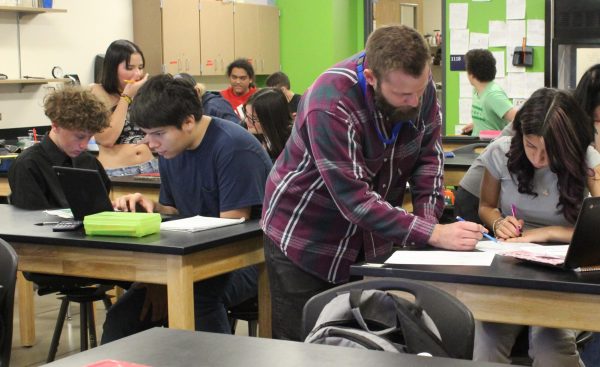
<point x="483" y="233"/>
<point x="46" y="223"/>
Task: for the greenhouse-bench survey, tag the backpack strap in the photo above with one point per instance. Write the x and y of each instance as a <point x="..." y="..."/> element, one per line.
<point x="418" y="337"/>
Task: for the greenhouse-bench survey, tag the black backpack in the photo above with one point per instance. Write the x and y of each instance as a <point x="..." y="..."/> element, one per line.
<point x="377" y="320"/>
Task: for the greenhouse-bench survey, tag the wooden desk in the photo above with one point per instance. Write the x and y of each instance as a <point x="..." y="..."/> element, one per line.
<point x="4" y="187"/>
<point x="176" y="348"/>
<point x="175" y="259"/>
<point x="511" y="292"/>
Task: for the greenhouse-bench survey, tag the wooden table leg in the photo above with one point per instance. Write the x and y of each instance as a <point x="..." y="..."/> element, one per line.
<point x="180" y="293"/>
<point x="264" y="302"/>
<point x="26" y="310"/>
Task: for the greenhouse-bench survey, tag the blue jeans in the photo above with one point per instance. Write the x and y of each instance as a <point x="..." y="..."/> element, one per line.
<point x="147" y="167"/>
<point x="212" y="298"/>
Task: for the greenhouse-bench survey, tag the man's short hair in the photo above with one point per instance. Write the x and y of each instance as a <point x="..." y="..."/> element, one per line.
<point x="165" y="101"/>
<point x="397" y="47"/>
<point x="277" y="80"/>
<point x="241" y="64"/>
<point x="481" y="64"/>
<point x="74" y="108"/>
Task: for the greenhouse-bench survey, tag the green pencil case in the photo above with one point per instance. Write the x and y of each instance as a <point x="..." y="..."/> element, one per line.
<point x="121" y="224"/>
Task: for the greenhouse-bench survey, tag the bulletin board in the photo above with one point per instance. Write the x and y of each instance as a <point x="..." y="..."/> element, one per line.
<point x="476" y="31"/>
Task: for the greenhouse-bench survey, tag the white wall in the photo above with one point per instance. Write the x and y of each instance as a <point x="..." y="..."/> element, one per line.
<point x="70" y="40"/>
<point x="432" y="16"/>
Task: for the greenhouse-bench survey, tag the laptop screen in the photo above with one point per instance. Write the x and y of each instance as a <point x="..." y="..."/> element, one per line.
<point x="84" y="190"/>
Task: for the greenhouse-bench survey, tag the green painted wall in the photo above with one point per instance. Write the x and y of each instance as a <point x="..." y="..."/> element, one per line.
<point x="480" y="13"/>
<point x="315" y="34"/>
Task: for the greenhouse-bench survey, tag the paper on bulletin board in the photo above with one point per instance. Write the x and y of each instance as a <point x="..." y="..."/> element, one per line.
<point x="497" y="35"/>
<point x="464" y="110"/>
<point x="503" y="83"/>
<point x="465" y="87"/>
<point x="459" y="13"/>
<point x="535" y="81"/>
<point x="459" y="41"/>
<point x="500" y="70"/>
<point x="510" y="68"/>
<point x="516" y="32"/>
<point x="478" y="40"/>
<point x="536" y="32"/>
<point x="515" y="9"/>
<point x="518" y="85"/>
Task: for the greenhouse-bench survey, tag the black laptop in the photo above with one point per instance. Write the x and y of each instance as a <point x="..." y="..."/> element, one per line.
<point x="84" y="190"/>
<point x="583" y="253"/>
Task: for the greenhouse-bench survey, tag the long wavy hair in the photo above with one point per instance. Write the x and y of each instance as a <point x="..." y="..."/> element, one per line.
<point x="557" y="118"/>
<point x="587" y="92"/>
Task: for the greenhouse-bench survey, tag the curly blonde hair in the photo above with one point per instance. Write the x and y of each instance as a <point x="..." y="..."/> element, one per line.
<point x="75" y="108"/>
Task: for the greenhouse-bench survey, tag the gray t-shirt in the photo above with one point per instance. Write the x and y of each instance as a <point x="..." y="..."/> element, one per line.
<point x="540" y="211"/>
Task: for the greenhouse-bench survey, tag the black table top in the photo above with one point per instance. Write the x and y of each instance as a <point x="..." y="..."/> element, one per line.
<point x="462" y="160"/>
<point x="504" y="272"/>
<point x="17" y="225"/>
<point x="176" y="348"/>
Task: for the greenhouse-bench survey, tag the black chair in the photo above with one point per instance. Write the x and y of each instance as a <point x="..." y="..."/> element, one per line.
<point x="453" y="320"/>
<point x="8" y="279"/>
<point x="247" y="311"/>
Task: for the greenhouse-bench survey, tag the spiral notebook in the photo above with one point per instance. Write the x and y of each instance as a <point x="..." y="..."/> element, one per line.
<point x="582" y="254"/>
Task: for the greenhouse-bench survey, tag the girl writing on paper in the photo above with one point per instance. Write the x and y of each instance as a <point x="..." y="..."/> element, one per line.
<point x="545" y="169"/>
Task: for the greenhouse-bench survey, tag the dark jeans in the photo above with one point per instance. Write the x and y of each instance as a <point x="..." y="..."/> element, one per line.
<point x="212" y="298"/>
<point x="291" y="287"/>
<point x="466" y="206"/>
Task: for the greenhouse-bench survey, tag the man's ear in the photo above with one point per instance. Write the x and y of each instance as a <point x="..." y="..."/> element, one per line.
<point x="370" y="77"/>
<point x="188" y="124"/>
<point x="54" y="126"/>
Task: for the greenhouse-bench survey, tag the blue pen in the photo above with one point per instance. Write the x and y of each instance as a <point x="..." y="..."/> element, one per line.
<point x="484" y="234"/>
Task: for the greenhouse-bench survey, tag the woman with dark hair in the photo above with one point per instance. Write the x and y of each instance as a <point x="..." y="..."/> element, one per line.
<point x="545" y="170"/>
<point x="267" y="116"/>
<point x="122" y="76"/>
<point x="587" y="94"/>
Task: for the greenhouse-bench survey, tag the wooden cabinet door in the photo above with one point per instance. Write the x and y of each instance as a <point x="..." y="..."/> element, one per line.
<point x="147" y="33"/>
<point x="268" y="36"/>
<point x="181" y="36"/>
<point x="216" y="37"/>
<point x="245" y="32"/>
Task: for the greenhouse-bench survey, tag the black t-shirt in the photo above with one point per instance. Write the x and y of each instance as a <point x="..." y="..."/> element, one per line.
<point x="32" y="180"/>
<point x="293" y="103"/>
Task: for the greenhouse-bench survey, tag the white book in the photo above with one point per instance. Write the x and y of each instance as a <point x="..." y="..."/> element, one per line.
<point x="197" y="223"/>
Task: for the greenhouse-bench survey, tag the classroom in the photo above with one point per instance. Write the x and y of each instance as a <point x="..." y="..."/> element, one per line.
<point x="219" y="182"/>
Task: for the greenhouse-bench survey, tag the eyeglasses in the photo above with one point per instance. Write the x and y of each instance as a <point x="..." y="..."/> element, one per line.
<point x="251" y="118"/>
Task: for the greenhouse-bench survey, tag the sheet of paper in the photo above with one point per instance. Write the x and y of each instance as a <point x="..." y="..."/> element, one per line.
<point x="62" y="213"/>
<point x="518" y="85"/>
<point x="515" y="33"/>
<point x="515" y="9"/>
<point x="500" y="69"/>
<point x="459" y="41"/>
<point x="465" y="87"/>
<point x="536" y="32"/>
<point x="441" y="258"/>
<point x="464" y="110"/>
<point x="535" y="81"/>
<point x="499" y="247"/>
<point x="459" y="13"/>
<point x="197" y="223"/>
<point x="478" y="40"/>
<point x="497" y="35"/>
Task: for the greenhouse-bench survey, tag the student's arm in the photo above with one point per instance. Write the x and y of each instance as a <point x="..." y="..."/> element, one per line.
<point x="593" y="182"/>
<point x="28" y="187"/>
<point x="133" y="202"/>
<point x="236" y="213"/>
<point x="545" y="234"/>
<point x="510" y="115"/>
<point x="488" y="209"/>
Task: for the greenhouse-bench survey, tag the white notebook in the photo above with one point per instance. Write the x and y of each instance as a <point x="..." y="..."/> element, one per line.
<point x="197" y="223"/>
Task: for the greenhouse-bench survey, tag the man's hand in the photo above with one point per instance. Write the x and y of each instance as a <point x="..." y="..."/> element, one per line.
<point x="467" y="129"/>
<point x="462" y="236"/>
<point x="129" y="202"/>
<point x="155" y="301"/>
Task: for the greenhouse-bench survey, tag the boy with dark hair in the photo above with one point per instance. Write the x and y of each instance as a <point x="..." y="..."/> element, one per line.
<point x="209" y="167"/>
<point x="75" y="115"/>
<point x="281" y="81"/>
<point x="241" y="77"/>
<point x="492" y="110"/>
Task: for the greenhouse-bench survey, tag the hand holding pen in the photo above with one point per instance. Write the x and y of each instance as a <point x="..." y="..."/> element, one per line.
<point x="509" y="227"/>
<point x="489" y="237"/>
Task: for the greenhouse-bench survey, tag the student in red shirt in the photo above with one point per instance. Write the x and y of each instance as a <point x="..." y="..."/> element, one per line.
<point x="241" y="78"/>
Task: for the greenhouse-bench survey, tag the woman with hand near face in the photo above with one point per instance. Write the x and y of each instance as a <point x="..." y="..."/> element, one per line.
<point x="122" y="151"/>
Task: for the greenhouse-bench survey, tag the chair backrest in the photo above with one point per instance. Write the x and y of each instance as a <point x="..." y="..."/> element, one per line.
<point x="452" y="318"/>
<point x="8" y="278"/>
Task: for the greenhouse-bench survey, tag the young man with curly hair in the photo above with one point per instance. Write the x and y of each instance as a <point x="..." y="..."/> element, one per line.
<point x="75" y="115"/>
<point x="492" y="109"/>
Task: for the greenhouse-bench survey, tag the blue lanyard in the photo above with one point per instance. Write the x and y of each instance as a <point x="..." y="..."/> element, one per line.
<point x="362" y="82"/>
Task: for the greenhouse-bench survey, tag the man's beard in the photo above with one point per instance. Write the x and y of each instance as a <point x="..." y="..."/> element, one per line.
<point x="393" y="114"/>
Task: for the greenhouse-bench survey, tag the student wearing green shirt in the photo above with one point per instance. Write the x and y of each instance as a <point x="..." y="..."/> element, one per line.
<point x="492" y="109"/>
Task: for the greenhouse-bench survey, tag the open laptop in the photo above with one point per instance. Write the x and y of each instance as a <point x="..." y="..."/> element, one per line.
<point x="84" y="190"/>
<point x="583" y="253"/>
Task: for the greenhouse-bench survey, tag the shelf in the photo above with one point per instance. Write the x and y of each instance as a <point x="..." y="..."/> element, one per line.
<point x="30" y="10"/>
<point x="34" y="81"/>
